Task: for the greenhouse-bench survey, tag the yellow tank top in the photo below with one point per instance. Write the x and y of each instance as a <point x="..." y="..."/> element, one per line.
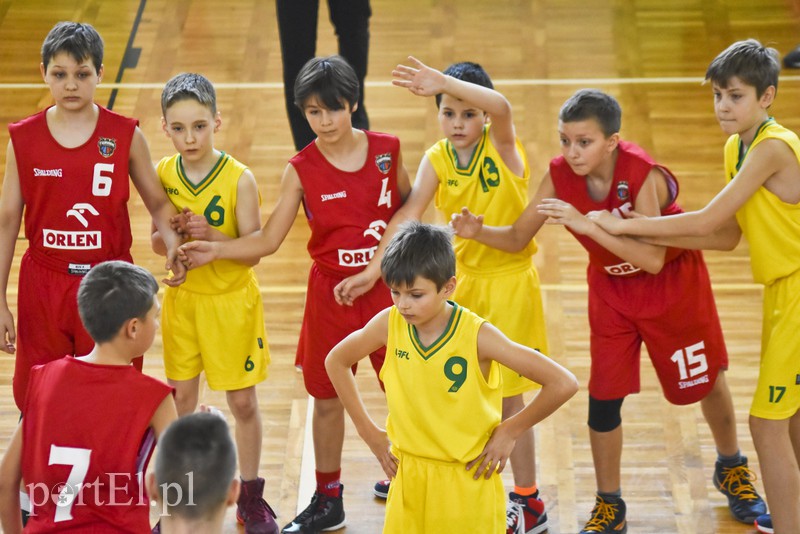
<point x="440" y="405"/>
<point x="214" y="197"/>
<point x="486" y="186"/>
<point x="771" y="226"/>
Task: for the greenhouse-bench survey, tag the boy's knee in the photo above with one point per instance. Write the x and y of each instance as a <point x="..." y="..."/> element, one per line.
<point x="605" y="415"/>
<point x="243" y="404"/>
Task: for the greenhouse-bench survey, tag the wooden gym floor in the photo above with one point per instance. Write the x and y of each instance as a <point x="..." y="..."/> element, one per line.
<point x="650" y="54"/>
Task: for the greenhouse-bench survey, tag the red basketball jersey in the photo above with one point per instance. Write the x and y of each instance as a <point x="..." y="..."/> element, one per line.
<point x="86" y="445"/>
<point x="631" y="169"/>
<point x="348" y="211"/>
<point x="76" y="199"/>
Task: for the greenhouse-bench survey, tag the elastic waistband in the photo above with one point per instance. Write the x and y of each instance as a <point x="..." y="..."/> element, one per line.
<point x="397" y="452"/>
<point x="66" y="267"/>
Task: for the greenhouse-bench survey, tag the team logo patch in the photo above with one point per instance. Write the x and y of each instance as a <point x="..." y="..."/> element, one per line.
<point x="107" y="146"/>
<point x="623" y="194"/>
<point x="383" y="162"/>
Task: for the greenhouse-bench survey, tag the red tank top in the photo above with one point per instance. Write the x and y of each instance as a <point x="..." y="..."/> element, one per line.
<point x="631" y="169"/>
<point x="76" y="199"/>
<point x="348" y="211"/>
<point x="88" y="424"/>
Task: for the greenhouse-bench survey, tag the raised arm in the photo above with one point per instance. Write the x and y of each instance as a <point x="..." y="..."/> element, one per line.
<point x="422" y="80"/>
<point x="11" y="206"/>
<point x="558" y="386"/>
<point x="146" y="181"/>
<point x="339" y="363"/>
<point x="260" y="243"/>
<point x="508" y="238"/>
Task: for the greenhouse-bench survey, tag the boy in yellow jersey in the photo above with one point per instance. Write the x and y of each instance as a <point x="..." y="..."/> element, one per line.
<point x="482" y="165"/>
<point x="215" y="320"/>
<point x="444" y="434"/>
<point x="762" y="201"/>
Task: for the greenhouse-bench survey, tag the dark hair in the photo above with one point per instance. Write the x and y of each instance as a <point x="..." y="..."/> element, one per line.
<point x="187" y="86"/>
<point x="594" y="104"/>
<point x="111" y="294"/>
<point x="331" y="79"/>
<point x="750" y="61"/>
<point x="419" y="249"/>
<point x="81" y="41"/>
<point x="196" y="456"/>
<point x="468" y="72"/>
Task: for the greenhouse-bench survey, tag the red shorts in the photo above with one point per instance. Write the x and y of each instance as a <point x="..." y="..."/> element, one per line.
<point x="326" y="323"/>
<point x="674" y="313"/>
<point x="48" y="323"/>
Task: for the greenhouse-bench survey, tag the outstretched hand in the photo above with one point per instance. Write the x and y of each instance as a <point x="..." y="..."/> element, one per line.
<point x="606" y="221"/>
<point x="466" y="224"/>
<point x="560" y="212"/>
<point x="420" y="79"/>
<point x="197" y="253"/>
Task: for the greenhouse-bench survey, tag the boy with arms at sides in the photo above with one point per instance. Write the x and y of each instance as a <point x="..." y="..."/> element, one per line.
<point x="637" y="293"/>
<point x="761" y="200"/>
<point x="90" y="423"/>
<point x="444" y="435"/>
<point x="194" y="480"/>
<point x="480" y="164"/>
<point x="214" y="321"/>
<point x="68" y="168"/>
<point x="350" y="183"/>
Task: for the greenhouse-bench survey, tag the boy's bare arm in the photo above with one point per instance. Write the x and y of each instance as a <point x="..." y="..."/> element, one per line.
<point x="144" y="177"/>
<point x="11" y="207"/>
<point x="508" y="238"/>
<point x="764" y="161"/>
<point x="339" y="363"/>
<point x="558" y="386"/>
<point x="647" y="256"/>
<point x="10" y="477"/>
<point x="164" y="415"/>
<point x="248" y="211"/>
<point x="414" y="206"/>
<point x="260" y="243"/>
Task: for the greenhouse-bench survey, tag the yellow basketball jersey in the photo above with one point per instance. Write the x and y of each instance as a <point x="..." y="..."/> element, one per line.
<point x="771" y="226"/>
<point x="487" y="187"/>
<point x="215" y="198"/>
<point x="440" y="405"/>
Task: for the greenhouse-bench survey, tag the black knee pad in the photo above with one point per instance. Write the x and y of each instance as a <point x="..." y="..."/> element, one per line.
<point x="605" y="415"/>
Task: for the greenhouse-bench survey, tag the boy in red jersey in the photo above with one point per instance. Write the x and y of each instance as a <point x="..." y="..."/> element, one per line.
<point x="637" y="292"/>
<point x="90" y="423"/>
<point x="760" y="201"/>
<point x="68" y="168"/>
<point x="350" y="182"/>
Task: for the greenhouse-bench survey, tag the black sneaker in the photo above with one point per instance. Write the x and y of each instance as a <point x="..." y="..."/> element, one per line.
<point x="381" y="489"/>
<point x="736" y="483"/>
<point x="322" y="515"/>
<point x="607" y="518"/>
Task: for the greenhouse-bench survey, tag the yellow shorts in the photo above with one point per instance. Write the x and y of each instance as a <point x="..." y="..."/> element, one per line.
<point x="513" y="303"/>
<point x="430" y="496"/>
<point x="221" y="334"/>
<point x="777" y="395"/>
